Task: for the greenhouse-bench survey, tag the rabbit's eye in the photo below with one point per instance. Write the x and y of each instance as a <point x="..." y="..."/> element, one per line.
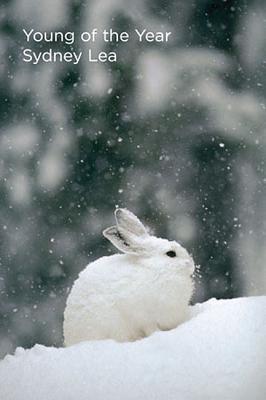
<point x="171" y="253"/>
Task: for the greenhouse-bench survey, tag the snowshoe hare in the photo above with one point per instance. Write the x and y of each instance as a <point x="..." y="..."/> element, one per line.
<point x="128" y="296"/>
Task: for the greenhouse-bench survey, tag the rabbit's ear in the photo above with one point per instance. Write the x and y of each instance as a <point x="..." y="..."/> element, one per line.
<point x="127" y="221"/>
<point x="123" y="240"/>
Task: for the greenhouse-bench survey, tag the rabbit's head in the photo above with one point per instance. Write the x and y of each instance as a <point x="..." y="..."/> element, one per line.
<point x="130" y="236"/>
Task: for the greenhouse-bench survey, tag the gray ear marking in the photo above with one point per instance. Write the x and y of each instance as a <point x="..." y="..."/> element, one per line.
<point x="116" y="237"/>
<point x="129" y="234"/>
<point x="119" y="239"/>
<point x="123" y="240"/>
<point x="127" y="221"/>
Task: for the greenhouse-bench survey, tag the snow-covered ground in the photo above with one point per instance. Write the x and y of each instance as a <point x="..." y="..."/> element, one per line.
<point x="219" y="354"/>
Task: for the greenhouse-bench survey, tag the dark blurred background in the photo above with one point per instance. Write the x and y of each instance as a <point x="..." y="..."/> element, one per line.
<point x="174" y="132"/>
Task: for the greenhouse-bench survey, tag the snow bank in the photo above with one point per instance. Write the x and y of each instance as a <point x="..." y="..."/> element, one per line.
<point x="219" y="354"/>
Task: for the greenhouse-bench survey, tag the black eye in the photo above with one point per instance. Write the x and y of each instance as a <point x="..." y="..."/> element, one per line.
<point x="171" y="253"/>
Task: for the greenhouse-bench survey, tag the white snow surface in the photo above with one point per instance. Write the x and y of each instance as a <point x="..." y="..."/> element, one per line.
<point x="218" y="354"/>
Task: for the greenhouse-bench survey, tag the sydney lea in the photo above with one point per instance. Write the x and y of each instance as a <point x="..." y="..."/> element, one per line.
<point x="51" y="56"/>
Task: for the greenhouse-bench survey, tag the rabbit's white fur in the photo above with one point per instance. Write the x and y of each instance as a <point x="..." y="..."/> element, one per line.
<point x="126" y="297"/>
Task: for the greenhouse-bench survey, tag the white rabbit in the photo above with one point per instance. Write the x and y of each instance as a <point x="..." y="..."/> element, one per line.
<point x="128" y="296"/>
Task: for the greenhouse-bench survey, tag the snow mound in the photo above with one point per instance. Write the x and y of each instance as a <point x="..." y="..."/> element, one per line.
<point x="219" y="354"/>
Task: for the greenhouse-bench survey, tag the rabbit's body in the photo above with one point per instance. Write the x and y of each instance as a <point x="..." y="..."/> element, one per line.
<point x="127" y="297"/>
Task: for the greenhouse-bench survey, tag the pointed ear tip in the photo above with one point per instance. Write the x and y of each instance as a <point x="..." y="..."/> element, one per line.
<point x="107" y="231"/>
<point x="120" y="210"/>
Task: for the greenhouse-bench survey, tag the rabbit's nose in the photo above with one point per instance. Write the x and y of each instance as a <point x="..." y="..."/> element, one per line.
<point x="190" y="265"/>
